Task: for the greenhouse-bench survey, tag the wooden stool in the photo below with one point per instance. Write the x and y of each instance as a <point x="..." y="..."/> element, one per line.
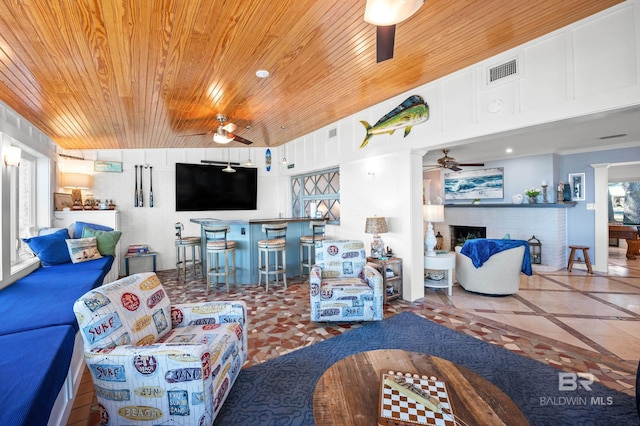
<point x="308" y="243"/>
<point x="218" y="244"/>
<point x="275" y="242"/>
<point x="182" y="243"/>
<point x="585" y="253"/>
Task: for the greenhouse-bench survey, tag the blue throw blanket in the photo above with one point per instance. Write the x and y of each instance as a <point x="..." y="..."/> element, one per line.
<point x="481" y="249"/>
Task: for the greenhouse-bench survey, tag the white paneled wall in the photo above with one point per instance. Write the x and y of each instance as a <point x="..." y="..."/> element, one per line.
<point x="548" y="224"/>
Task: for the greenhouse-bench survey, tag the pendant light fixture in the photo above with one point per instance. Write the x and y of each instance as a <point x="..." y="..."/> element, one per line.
<point x="229" y="169"/>
<point x="249" y="163"/>
<point x="284" y="161"/>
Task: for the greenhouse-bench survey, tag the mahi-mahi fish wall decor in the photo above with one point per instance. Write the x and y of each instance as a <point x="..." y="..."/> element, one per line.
<point x="412" y="111"/>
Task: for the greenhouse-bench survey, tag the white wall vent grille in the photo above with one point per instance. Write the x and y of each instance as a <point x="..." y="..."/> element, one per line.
<point x="503" y="70"/>
<point x="333" y="133"/>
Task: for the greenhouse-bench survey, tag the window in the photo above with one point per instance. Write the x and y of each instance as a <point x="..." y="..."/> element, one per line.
<point x="22" y="206"/>
<point x="624" y="197"/>
<point x="322" y="188"/>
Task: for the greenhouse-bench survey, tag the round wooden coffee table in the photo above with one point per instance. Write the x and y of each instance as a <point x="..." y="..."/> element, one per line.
<point x="348" y="392"/>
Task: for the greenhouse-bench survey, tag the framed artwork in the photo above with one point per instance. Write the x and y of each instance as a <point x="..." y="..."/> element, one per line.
<point x="474" y="184"/>
<point x="107" y="166"/>
<point x="576" y="182"/>
<point x="62" y="201"/>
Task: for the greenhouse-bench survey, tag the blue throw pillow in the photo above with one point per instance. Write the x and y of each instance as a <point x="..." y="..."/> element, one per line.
<point x="77" y="232"/>
<point x="51" y="249"/>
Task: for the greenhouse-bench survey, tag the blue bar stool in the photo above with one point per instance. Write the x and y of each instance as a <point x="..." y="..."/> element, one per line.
<point x="275" y="242"/>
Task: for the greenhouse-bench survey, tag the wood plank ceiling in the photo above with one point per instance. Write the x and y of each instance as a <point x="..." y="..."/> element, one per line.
<point x="120" y="74"/>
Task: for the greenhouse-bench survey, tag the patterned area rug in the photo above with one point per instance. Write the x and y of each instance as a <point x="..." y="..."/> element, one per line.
<point x="280" y="391"/>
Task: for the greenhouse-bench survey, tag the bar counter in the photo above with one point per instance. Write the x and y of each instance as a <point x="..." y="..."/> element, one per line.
<point x="246" y="234"/>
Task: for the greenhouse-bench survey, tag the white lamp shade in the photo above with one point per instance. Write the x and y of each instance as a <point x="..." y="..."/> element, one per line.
<point x="390" y="12"/>
<point x="433" y="212"/>
<point x="77" y="180"/>
<point x="221" y="136"/>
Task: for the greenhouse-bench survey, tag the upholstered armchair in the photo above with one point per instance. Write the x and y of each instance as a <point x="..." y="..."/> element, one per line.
<point x="492" y="266"/>
<point x="343" y="286"/>
<point x="151" y="361"/>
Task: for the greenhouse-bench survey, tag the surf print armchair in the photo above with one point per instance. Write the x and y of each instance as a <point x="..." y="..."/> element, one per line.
<point x="154" y="362"/>
<point x="343" y="286"/>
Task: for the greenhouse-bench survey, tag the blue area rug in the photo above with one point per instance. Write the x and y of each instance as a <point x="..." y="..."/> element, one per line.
<point x="280" y="391"/>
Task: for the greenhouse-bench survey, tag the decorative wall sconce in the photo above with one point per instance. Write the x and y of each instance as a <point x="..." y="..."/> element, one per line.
<point x="12" y="156"/>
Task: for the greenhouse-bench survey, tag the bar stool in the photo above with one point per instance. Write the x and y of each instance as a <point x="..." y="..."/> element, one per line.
<point x="585" y="253"/>
<point x="275" y="242"/>
<point x="218" y="244"/>
<point x="308" y="243"/>
<point x="182" y="243"/>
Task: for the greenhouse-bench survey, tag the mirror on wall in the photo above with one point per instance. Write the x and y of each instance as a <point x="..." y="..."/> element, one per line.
<point x="624" y="202"/>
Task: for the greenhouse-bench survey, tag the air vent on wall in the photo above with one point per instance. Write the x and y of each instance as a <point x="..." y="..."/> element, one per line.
<point x="333" y="133"/>
<point x="503" y="70"/>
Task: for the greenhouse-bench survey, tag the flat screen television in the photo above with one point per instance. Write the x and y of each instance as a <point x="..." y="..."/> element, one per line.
<point x="201" y="187"/>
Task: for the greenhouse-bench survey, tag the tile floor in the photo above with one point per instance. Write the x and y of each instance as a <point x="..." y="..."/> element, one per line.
<point x="573" y="321"/>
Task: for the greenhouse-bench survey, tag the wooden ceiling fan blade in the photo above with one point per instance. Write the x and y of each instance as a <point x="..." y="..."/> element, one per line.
<point x="195" y="134"/>
<point x="240" y="139"/>
<point x="385" y="40"/>
<point x="471" y="164"/>
<point x="454" y="168"/>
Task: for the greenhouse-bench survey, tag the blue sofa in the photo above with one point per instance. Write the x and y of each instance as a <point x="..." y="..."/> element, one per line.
<point x="38" y="331"/>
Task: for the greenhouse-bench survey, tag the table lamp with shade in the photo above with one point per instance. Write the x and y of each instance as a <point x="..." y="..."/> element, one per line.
<point x="376" y="225"/>
<point x="76" y="182"/>
<point x="432" y="213"/>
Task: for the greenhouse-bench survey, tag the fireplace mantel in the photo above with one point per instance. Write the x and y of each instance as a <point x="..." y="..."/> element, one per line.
<point x="523" y="205"/>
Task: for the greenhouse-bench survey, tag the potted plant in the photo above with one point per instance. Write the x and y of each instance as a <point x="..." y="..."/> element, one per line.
<point x="532" y="193"/>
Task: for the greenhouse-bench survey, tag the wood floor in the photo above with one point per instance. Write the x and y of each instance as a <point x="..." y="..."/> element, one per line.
<point x="573" y="321"/>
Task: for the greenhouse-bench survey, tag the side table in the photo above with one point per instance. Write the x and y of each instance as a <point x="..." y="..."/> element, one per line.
<point x="134" y="255"/>
<point x="392" y="284"/>
<point x="445" y="262"/>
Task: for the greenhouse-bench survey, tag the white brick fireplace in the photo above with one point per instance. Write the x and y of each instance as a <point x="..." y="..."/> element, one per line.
<point x="547" y="222"/>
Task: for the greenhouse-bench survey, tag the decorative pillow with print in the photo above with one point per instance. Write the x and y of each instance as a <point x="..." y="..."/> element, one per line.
<point x="83" y="249"/>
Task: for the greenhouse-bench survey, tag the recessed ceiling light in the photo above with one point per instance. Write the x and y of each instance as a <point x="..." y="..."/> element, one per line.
<point x="262" y="73"/>
<point x="509" y="150"/>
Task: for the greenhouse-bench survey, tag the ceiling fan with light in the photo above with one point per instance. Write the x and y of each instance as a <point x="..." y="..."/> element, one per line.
<point x="450" y="163"/>
<point x="223" y="133"/>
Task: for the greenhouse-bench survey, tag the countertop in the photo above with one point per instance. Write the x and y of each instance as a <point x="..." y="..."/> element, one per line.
<point x="250" y="221"/>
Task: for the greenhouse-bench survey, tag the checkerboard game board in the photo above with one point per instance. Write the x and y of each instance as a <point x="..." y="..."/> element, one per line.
<point x="396" y="408"/>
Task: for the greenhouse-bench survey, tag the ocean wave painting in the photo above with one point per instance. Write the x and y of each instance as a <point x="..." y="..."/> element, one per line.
<point x="469" y="185"/>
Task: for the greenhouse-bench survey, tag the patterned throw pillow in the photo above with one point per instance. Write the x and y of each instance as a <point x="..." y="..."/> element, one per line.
<point x="83" y="249"/>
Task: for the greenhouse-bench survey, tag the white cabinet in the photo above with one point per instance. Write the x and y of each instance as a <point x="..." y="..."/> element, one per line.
<point x="110" y="218"/>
